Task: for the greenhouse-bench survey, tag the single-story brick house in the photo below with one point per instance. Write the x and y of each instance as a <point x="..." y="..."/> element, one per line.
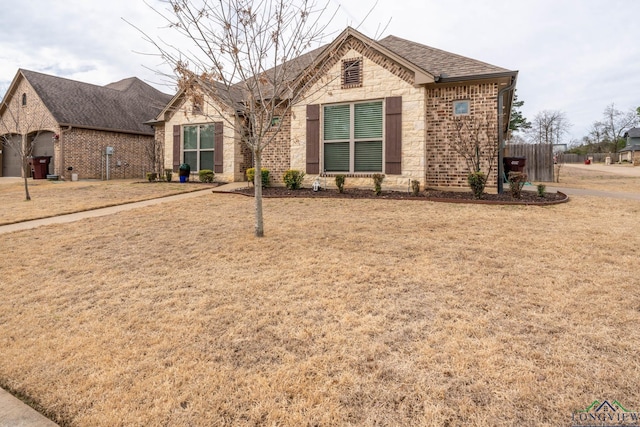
<point x="387" y="108"/>
<point x="75" y="122"/>
<point x="631" y="151"/>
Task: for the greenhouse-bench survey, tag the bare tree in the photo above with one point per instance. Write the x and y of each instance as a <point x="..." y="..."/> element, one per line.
<point x="475" y="141"/>
<point x="154" y="152"/>
<point x="615" y="123"/>
<point x="549" y="127"/>
<point x="252" y="58"/>
<point x="18" y="122"/>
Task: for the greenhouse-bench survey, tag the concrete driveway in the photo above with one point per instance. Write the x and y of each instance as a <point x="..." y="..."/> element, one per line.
<point x="615" y="169"/>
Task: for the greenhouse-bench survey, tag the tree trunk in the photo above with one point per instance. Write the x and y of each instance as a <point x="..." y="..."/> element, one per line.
<point x="257" y="185"/>
<point x="25" y="167"/>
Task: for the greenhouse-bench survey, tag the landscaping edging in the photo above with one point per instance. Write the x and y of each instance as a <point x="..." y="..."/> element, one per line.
<point x="355" y="194"/>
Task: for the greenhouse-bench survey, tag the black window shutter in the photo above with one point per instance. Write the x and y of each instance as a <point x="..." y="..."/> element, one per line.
<point x="176" y="147"/>
<point x="313" y="139"/>
<point x="218" y="153"/>
<point x="393" y="135"/>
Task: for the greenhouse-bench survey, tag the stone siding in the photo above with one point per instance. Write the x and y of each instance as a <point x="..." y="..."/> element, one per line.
<point x="233" y="163"/>
<point x="381" y="79"/>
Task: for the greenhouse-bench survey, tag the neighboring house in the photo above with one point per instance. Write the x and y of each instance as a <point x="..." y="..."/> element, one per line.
<point x="631" y="151"/>
<point x="383" y="106"/>
<point x="75" y="122"/>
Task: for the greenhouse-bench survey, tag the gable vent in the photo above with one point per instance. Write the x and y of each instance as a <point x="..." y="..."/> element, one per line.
<point x="352" y="73"/>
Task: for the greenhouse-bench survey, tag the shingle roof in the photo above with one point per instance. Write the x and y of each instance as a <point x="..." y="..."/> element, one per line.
<point x="633" y="133"/>
<point x="439" y="62"/>
<point x="634" y="147"/>
<point x="121" y="106"/>
<point x="431" y="63"/>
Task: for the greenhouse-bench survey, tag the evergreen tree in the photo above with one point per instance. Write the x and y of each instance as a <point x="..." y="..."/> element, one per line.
<point x="518" y="120"/>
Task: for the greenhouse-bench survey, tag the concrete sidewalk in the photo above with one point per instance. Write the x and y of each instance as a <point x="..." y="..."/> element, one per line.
<point x="61" y="219"/>
<point x="15" y="413"/>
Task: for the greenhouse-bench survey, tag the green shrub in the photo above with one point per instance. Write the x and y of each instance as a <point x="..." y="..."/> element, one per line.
<point x="516" y="182"/>
<point x="168" y="174"/>
<point x="206" y="175"/>
<point x="541" y="188"/>
<point x="293" y="179"/>
<point x="377" y="183"/>
<point x="340" y="182"/>
<point x="251" y="173"/>
<point x="477" y="182"/>
<point x="415" y="187"/>
<point x="152" y="176"/>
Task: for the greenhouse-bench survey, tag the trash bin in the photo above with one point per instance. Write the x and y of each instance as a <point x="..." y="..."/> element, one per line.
<point x="184" y="171"/>
<point x="40" y="166"/>
<point x="514" y="164"/>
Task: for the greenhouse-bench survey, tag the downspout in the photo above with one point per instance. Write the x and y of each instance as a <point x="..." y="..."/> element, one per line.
<point x="501" y="144"/>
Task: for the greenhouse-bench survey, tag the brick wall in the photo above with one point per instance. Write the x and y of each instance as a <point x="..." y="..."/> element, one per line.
<point x="276" y="155"/>
<point x="445" y="167"/>
<point x="84" y="150"/>
<point x="27" y="119"/>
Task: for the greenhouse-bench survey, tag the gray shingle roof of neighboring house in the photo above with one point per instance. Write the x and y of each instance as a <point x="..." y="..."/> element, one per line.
<point x="633" y="147"/>
<point x="632" y="133"/>
<point x="122" y="106"/>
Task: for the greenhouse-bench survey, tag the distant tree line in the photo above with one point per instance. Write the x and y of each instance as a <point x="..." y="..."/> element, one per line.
<point x="552" y="126"/>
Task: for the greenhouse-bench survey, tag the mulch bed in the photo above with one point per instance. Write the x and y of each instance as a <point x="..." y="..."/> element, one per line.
<point x="528" y="197"/>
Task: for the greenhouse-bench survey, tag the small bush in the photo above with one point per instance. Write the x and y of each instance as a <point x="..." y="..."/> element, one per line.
<point x="377" y="183"/>
<point x="293" y="179"/>
<point x="516" y="182"/>
<point x="415" y="187"/>
<point x="541" y="188"/>
<point x="340" y="182"/>
<point x="206" y="175"/>
<point x="251" y="173"/>
<point x="477" y="181"/>
<point x="152" y="176"/>
<point x="168" y="174"/>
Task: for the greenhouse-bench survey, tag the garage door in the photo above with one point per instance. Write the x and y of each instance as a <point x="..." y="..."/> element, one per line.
<point x="11" y="162"/>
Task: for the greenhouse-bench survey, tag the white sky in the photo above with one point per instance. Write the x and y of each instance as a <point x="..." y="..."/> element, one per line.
<point x="577" y="56"/>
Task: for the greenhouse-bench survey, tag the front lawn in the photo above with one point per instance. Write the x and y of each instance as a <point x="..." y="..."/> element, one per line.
<point x="348" y="312"/>
<point x="51" y="198"/>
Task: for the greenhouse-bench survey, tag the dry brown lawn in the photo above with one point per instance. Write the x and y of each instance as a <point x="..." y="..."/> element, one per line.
<point x="348" y="312"/>
<point x="50" y="198"/>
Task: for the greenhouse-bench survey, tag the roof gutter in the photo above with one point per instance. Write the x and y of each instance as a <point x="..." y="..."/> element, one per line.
<point x="128" y="132"/>
<point x="443" y="79"/>
<point x="501" y="133"/>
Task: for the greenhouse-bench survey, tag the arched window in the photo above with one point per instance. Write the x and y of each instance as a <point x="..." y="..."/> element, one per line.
<point x="24" y="99"/>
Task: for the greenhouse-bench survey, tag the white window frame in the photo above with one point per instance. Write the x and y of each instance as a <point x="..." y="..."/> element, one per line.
<point x="461" y="107"/>
<point x="198" y="149"/>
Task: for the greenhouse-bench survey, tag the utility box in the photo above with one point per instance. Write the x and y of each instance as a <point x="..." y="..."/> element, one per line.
<point x="109" y="151"/>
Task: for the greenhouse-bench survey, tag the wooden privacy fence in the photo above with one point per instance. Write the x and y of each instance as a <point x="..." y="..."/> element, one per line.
<point x="595" y="157"/>
<point x="539" y="163"/>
